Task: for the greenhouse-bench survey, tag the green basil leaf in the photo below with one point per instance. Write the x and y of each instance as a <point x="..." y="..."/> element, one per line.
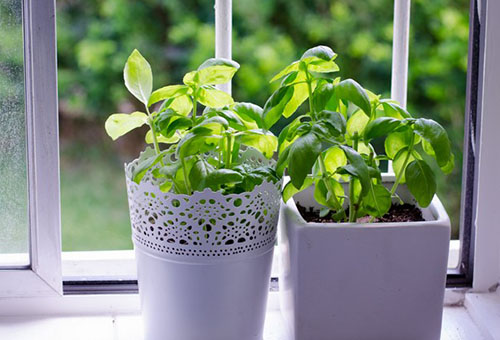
<point x="170" y="169"/>
<point x="166" y="185"/>
<point x="300" y="94"/>
<point x="357" y="123"/>
<point x="213" y="123"/>
<point x="167" y="92"/>
<point x="217" y="71"/>
<point x="199" y="174"/>
<point x="335" y="121"/>
<point x="138" y="77"/>
<point x="181" y="105"/>
<point x="421" y="182"/>
<point x="234" y="121"/>
<point x="191" y="78"/>
<point x="396" y="141"/>
<point x="324" y="97"/>
<point x="211" y="97"/>
<point x="275" y="105"/>
<point x="398" y="162"/>
<point x="334" y="158"/>
<point x="322" y="66"/>
<point x="319" y="52"/>
<point x="392" y="109"/>
<point x="381" y="127"/>
<point x="262" y="140"/>
<point x="177" y="125"/>
<point x="145" y="162"/>
<point x="161" y="139"/>
<point x="164" y="120"/>
<point x="357" y="168"/>
<point x="250" y="113"/>
<point x="290" y="68"/>
<point x="220" y="177"/>
<point x="323" y="196"/>
<point x="303" y="153"/>
<point x="436" y="135"/>
<point x="448" y="167"/>
<point x="351" y="91"/>
<point x="290" y="190"/>
<point x="378" y="201"/>
<point x="198" y="141"/>
<point x="286" y="133"/>
<point x="119" y="124"/>
<point x="283" y="161"/>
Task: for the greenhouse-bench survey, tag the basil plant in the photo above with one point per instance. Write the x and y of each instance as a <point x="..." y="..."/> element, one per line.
<point x="191" y="151"/>
<point x="331" y="143"/>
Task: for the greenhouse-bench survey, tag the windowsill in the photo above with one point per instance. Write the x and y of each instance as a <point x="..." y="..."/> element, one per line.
<point x="120" y="264"/>
<point x="458" y="324"/>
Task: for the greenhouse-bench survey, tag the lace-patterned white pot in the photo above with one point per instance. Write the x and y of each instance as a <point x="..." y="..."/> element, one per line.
<point x="203" y="260"/>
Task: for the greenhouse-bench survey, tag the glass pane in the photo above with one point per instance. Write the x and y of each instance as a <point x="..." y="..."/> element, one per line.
<point x="437" y="83"/>
<point x="13" y="175"/>
<point x="94" y="40"/>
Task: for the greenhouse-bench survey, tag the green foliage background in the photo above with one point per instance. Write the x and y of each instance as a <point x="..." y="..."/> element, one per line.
<point x="95" y="38"/>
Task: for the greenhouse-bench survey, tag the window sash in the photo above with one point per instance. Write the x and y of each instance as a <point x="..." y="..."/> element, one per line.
<point x="486" y="233"/>
<point x="43" y="275"/>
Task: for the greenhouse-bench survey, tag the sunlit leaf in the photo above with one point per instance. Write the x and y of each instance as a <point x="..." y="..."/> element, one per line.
<point x="119" y="124"/>
<point x="217" y="71"/>
<point x="212" y="97"/>
<point x="138" y="77"/>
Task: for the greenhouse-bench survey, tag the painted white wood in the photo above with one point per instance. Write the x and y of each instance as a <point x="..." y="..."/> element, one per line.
<point x="62" y="328"/>
<point x="70" y="305"/>
<point x="400" y="48"/>
<point x="487" y="242"/>
<point x="484" y="309"/>
<point x="223" y="34"/>
<point x="97" y="265"/>
<point x="457" y="325"/>
<point x="44" y="274"/>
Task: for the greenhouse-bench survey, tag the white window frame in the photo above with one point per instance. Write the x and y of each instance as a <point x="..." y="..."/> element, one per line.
<point x="43" y="275"/>
<point x="487" y="234"/>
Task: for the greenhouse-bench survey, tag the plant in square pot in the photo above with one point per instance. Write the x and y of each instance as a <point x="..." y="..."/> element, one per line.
<point x="363" y="255"/>
<point x="204" y="204"/>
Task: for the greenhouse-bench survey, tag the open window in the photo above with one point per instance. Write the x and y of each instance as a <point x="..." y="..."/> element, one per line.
<point x="95" y="38"/>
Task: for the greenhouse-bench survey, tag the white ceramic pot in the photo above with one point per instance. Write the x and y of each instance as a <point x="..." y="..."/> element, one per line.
<point x="380" y="281"/>
<point x="203" y="260"/>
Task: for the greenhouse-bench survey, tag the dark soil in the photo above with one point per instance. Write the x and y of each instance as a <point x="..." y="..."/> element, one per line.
<point x="397" y="213"/>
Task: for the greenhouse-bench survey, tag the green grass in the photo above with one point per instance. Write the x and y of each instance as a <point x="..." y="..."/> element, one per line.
<point x="94" y="208"/>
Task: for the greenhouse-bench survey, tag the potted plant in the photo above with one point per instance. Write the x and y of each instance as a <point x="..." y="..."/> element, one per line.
<point x="204" y="204"/>
<point x="363" y="255"/>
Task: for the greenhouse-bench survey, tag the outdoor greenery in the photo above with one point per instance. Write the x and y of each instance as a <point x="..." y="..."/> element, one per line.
<point x="96" y="37"/>
<point x="331" y="143"/>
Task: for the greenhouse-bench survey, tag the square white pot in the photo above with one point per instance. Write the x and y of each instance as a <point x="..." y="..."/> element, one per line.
<point x="378" y="281"/>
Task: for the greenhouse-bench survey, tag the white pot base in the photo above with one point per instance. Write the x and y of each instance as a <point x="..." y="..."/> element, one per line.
<point x="199" y="301"/>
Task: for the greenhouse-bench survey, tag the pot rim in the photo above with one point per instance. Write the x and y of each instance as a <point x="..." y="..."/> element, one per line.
<point x="436" y="209"/>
